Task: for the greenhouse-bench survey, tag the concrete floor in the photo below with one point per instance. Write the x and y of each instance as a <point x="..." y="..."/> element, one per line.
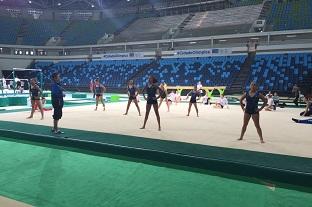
<point x="215" y="127"/>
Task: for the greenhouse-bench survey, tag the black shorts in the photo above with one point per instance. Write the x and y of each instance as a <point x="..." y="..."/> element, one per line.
<point x="57" y="108"/>
<point x="251" y="112"/>
<point x="193" y="101"/>
<point x="99" y="95"/>
<point x="35" y="99"/>
<point x="152" y="101"/>
<point x="163" y="96"/>
<point x="132" y="98"/>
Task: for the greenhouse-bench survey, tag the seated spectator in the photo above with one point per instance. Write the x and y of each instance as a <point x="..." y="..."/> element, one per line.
<point x="270" y="105"/>
<point x="275" y="100"/>
<point x="206" y="100"/>
<point x="222" y="102"/>
<point x="308" y="109"/>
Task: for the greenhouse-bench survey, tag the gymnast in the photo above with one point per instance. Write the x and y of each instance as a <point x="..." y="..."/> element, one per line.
<point x="251" y="109"/>
<point x="133" y="92"/>
<point x="163" y="96"/>
<point x="152" y="90"/>
<point x="98" y="90"/>
<point x="195" y="95"/>
<point x="35" y="93"/>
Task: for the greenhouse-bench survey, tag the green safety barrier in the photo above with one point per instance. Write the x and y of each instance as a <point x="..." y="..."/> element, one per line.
<point x="46" y="94"/>
<point x="79" y="95"/>
<point x="114" y="98"/>
<point x="17" y="101"/>
<point x="4" y="101"/>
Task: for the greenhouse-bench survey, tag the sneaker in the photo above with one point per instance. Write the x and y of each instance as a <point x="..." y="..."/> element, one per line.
<point x="58" y="132"/>
<point x="295" y="120"/>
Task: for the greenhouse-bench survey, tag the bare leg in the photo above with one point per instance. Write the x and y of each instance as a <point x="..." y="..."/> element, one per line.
<point x="160" y="102"/>
<point x="128" y="106"/>
<point x="189" y="109"/>
<point x="167" y="103"/>
<point x="137" y="105"/>
<point x="33" y="105"/>
<point x="255" y="118"/>
<point x="195" y="104"/>
<point x="55" y="125"/>
<point x="102" y="101"/>
<point x="40" y="108"/>
<point x="148" y="109"/>
<point x="96" y="102"/>
<point x="157" y="116"/>
<point x="245" y="124"/>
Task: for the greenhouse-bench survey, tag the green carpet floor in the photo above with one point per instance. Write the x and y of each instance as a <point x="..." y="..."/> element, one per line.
<point x="51" y="177"/>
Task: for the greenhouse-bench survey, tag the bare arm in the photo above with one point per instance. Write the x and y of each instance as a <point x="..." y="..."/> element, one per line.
<point x="143" y="93"/>
<point x="307" y="108"/>
<point x="265" y="101"/>
<point x="159" y="92"/>
<point x="241" y="101"/>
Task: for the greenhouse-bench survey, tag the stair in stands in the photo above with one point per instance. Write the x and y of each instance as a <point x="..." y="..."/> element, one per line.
<point x="143" y="69"/>
<point x="267" y="5"/>
<point x="181" y="26"/>
<point x="21" y="33"/>
<point x="240" y="80"/>
<point x="65" y="30"/>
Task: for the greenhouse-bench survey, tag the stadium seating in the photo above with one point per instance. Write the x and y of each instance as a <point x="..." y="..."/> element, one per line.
<point x="227" y="21"/>
<point x="289" y="15"/>
<point x="9" y="29"/>
<point x="150" y="28"/>
<point x="89" y="32"/>
<point x="113" y="73"/>
<point x="276" y="72"/>
<point x="212" y="71"/>
<point x="40" y="31"/>
<point x="280" y="71"/>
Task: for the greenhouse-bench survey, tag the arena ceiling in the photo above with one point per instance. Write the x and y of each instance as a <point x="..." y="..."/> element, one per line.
<point x="62" y="4"/>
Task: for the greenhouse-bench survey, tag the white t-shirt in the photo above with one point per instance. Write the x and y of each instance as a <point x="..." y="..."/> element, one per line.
<point x="222" y="101"/>
<point x="270" y="102"/>
<point x="172" y="96"/>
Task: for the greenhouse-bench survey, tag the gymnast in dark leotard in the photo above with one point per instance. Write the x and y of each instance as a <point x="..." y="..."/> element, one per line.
<point x="153" y="93"/>
<point x="133" y="92"/>
<point x="195" y="95"/>
<point x="35" y="95"/>
<point x="251" y="109"/>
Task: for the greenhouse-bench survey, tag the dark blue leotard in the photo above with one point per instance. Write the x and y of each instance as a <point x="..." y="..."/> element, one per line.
<point x="132" y="92"/>
<point x="194" y="95"/>
<point x="252" y="103"/>
<point x="151" y="91"/>
<point x="34" y="92"/>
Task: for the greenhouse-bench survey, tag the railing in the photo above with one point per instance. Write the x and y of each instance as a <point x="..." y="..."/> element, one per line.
<point x="277" y="39"/>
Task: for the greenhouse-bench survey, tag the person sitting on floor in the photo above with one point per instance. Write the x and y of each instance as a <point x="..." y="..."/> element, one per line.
<point x="275" y="100"/>
<point x="221" y="102"/>
<point x="308" y="109"/>
<point x="270" y="105"/>
<point x="304" y="121"/>
<point x="206" y="100"/>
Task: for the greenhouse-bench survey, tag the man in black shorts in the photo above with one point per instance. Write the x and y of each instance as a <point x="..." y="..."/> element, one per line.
<point x="57" y="101"/>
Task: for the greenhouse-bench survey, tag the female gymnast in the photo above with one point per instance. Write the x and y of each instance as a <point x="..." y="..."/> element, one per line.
<point x="163" y="95"/>
<point x="308" y="109"/>
<point x="99" y="89"/>
<point x="152" y="90"/>
<point x="251" y="109"/>
<point x="35" y="94"/>
<point x="195" y="95"/>
<point x="132" y="93"/>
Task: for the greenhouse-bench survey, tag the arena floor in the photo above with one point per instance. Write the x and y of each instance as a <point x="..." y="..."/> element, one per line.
<point x="214" y="127"/>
